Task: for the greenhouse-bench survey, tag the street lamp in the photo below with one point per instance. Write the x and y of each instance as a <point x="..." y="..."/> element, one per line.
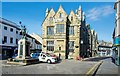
<point x="44" y="47"/>
<point x="81" y="54"/>
<point x="81" y="42"/>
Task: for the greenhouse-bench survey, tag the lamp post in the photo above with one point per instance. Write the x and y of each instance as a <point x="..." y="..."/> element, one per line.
<point x="81" y="48"/>
<point x="44" y="47"/>
<point x="59" y="49"/>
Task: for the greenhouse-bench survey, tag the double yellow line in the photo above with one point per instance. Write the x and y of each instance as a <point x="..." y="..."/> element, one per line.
<point x="93" y="68"/>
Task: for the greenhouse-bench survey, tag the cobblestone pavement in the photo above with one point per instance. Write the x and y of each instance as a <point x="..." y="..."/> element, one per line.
<point x="65" y="67"/>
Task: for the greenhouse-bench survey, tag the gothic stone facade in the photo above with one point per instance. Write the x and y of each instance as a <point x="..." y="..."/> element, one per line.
<point x="61" y="32"/>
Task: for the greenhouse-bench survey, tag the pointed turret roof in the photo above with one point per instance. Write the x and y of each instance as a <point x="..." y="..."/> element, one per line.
<point x="72" y="12"/>
<point x="80" y="7"/>
<point x="47" y="10"/>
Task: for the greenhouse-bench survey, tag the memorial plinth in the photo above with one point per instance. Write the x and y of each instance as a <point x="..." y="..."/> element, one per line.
<point x="23" y="57"/>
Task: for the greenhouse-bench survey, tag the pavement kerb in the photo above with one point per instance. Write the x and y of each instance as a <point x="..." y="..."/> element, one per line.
<point x="90" y="58"/>
<point x="87" y="58"/>
<point x="94" y="69"/>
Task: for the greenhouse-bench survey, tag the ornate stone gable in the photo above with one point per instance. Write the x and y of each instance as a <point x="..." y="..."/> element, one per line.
<point x="79" y="13"/>
<point x="49" y="17"/>
<point x="73" y="18"/>
<point x="60" y="15"/>
<point x="48" y="20"/>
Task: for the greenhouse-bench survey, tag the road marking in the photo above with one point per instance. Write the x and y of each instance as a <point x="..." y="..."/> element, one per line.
<point x="88" y="73"/>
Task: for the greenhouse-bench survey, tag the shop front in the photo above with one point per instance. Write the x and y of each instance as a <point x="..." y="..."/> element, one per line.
<point x="7" y="51"/>
<point x="117" y="50"/>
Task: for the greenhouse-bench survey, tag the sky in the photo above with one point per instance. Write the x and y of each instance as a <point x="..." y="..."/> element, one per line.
<point x="58" y="0"/>
<point x="100" y="15"/>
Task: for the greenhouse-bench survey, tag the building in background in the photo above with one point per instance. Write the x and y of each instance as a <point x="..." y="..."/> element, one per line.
<point x="9" y="36"/>
<point x="35" y="45"/>
<point x="94" y="43"/>
<point x="104" y="48"/>
<point x="116" y="34"/>
<point x="66" y="35"/>
<point x="90" y="40"/>
<point x="38" y="39"/>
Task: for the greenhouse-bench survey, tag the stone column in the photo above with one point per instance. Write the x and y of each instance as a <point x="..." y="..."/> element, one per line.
<point x="24" y="49"/>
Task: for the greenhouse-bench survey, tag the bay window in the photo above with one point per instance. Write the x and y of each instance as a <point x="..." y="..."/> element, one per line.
<point x="59" y="28"/>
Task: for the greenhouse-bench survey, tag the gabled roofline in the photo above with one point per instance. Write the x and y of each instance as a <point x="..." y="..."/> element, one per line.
<point x="74" y="14"/>
<point x="47" y="16"/>
<point x="58" y="10"/>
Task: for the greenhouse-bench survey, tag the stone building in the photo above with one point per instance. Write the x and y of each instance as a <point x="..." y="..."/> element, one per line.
<point x="90" y="40"/>
<point x="104" y="48"/>
<point x="64" y="34"/>
<point x="94" y="43"/>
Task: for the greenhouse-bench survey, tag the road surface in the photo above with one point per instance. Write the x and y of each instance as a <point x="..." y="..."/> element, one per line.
<point x="107" y="67"/>
<point x="64" y="67"/>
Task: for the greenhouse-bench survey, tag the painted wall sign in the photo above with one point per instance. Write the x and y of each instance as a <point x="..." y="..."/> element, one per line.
<point x="117" y="41"/>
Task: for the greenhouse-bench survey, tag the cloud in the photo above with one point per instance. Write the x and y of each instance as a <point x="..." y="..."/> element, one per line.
<point x="97" y="12"/>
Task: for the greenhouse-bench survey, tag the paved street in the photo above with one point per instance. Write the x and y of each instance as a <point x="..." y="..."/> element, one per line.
<point x="65" y="67"/>
<point x="108" y="67"/>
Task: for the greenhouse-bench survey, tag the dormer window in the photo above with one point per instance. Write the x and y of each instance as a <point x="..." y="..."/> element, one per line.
<point x="60" y="15"/>
<point x="71" y="18"/>
<point x="50" y="18"/>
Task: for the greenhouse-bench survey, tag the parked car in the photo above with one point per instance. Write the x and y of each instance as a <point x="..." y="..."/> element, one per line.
<point x="53" y="55"/>
<point x="34" y="55"/>
<point x="46" y="57"/>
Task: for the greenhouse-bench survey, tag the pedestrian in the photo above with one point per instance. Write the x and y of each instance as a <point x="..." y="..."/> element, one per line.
<point x="59" y="56"/>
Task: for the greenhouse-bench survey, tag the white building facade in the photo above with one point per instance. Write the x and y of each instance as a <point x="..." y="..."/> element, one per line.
<point x="9" y="36"/>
